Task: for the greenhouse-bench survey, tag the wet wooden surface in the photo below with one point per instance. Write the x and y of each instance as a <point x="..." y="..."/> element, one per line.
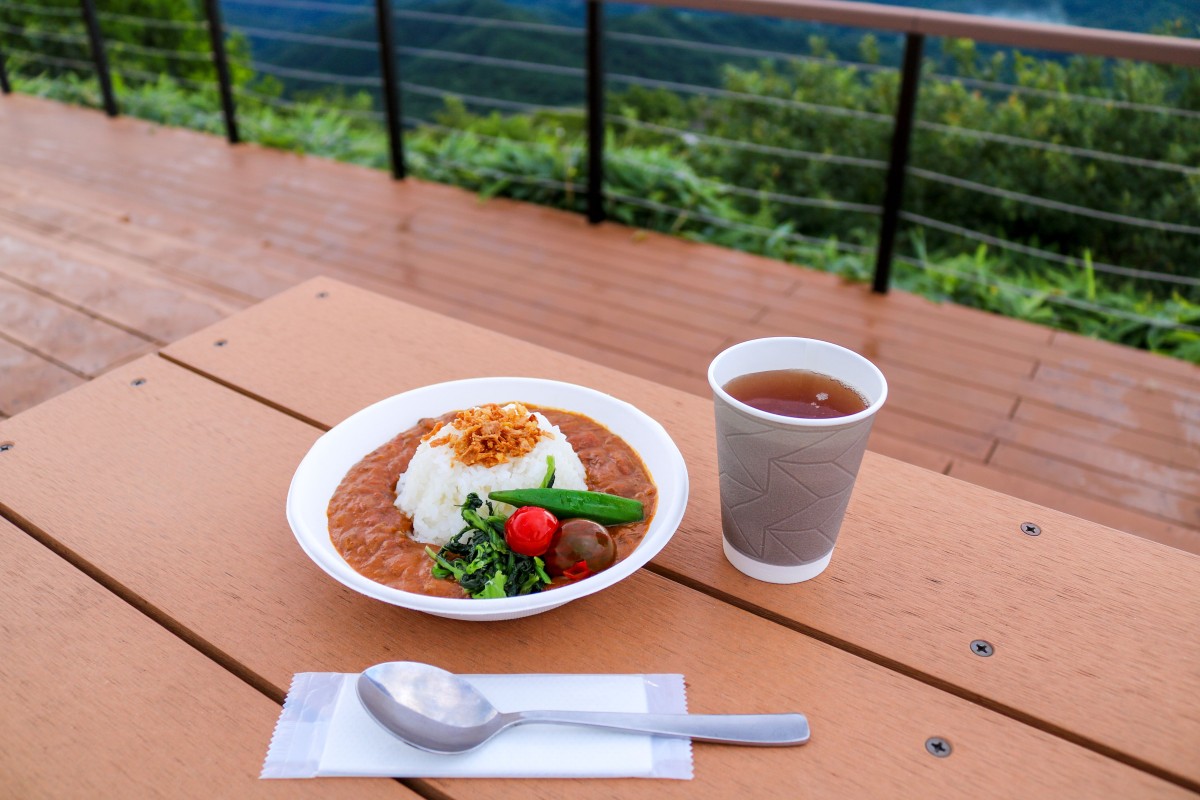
<point x="117" y="236"/>
<point x="176" y="504"/>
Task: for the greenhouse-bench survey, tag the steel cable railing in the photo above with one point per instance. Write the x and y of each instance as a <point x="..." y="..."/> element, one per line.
<point x="58" y="61"/>
<point x="743" y="227"/>
<point x="1049" y="94"/>
<point x="677" y="134"/>
<point x="46" y="11"/>
<point x="694" y="137"/>
<point x="1042" y="202"/>
<point x="1047" y="255"/>
<point x="313" y="76"/>
<point x="150" y="22"/>
<point x="1048" y="296"/>
<point x="493" y="102"/>
<point x="308" y="5"/>
<point x="303" y="38"/>
<point x="486" y="22"/>
<point x="51" y="36"/>
<point x="490" y="61"/>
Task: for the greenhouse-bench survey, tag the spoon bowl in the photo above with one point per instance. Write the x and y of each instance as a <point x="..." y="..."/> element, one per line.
<point x="439" y="712"/>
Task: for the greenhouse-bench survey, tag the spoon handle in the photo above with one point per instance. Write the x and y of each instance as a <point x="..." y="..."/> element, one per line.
<point x="756" y="729"/>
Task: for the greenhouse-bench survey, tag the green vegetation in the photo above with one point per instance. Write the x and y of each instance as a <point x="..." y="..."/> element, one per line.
<point x="683" y="176"/>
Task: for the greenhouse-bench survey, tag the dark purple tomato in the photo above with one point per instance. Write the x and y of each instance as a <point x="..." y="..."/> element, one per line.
<point x="580" y="548"/>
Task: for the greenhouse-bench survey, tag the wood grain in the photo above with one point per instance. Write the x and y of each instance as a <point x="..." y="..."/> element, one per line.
<point x="100" y="701"/>
<point x="1092" y="625"/>
<point x="29" y="378"/>
<point x="179" y="496"/>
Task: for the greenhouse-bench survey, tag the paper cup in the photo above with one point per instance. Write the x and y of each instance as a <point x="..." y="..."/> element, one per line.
<point x="786" y="481"/>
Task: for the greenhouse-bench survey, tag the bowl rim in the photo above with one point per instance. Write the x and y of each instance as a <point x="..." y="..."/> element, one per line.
<point x="314" y="538"/>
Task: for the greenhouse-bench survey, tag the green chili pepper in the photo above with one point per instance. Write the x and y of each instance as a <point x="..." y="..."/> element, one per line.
<point x="607" y="509"/>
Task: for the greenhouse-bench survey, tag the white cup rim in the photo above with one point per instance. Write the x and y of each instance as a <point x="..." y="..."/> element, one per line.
<point x="781" y="419"/>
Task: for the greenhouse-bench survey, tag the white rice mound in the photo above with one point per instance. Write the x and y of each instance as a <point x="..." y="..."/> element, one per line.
<point x="436" y="483"/>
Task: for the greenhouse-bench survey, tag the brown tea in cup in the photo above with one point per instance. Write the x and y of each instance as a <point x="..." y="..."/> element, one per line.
<point x="796" y="393"/>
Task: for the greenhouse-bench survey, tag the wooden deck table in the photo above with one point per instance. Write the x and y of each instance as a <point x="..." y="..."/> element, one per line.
<point x="156" y="605"/>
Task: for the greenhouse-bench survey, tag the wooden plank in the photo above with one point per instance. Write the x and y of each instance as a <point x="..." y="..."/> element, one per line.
<point x="28" y="379"/>
<point x="469" y="222"/>
<point x="178" y="452"/>
<point x="1069" y="345"/>
<point x="1101" y="485"/>
<point x="66" y="336"/>
<point x="1101" y="511"/>
<point x="1150" y="470"/>
<point x="1119" y="439"/>
<point x="911" y="539"/>
<point x="922" y="455"/>
<point x="1128" y="407"/>
<point x="120" y="292"/>
<point x="103" y="701"/>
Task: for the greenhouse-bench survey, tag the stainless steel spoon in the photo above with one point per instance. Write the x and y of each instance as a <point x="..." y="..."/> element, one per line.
<point x="438" y="711"/>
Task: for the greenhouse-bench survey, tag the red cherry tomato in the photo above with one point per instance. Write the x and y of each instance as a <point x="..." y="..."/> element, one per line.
<point x="530" y="530"/>
<point x="580" y="548"/>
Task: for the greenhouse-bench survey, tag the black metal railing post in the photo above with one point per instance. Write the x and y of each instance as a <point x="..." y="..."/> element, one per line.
<point x="595" y="110"/>
<point x="216" y="35"/>
<point x="5" y="86"/>
<point x="99" y="57"/>
<point x="391" y="85"/>
<point x="910" y="81"/>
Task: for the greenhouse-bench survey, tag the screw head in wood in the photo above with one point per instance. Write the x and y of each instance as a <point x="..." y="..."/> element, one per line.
<point x="981" y="648"/>
<point x="138" y="382"/>
<point x="220" y="342"/>
<point x="6" y="446"/>
<point x="937" y="746"/>
<point x="1029" y="529"/>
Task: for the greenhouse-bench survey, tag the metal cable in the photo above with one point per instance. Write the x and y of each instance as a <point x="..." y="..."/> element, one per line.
<point x="280" y="102"/>
<point x="316" y="77"/>
<point x="1113" y="269"/>
<point x="155" y="77"/>
<point x="1099" y="155"/>
<point x="755" y="193"/>
<point x="1082" y="211"/>
<point x="57" y="61"/>
<point x="758" y="194"/>
<point x="150" y="22"/>
<point x="712" y="91"/>
<point x="1049" y="297"/>
<point x="73" y="38"/>
<point x="484" y="22"/>
<point x="544" y="146"/>
<point x="955" y="130"/>
<point x="528" y="66"/>
<point x="737" y="226"/>
<point x="306" y="38"/>
<point x="1113" y="102"/>
<point x="159" y="52"/>
<point x="50" y="11"/>
<point x="433" y="91"/>
<point x="308" y="5"/>
<point x="499" y="173"/>
<point x="733" y="144"/>
<point x="748" y="52"/>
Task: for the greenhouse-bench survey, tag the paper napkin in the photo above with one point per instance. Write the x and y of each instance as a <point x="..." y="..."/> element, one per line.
<point x="325" y="731"/>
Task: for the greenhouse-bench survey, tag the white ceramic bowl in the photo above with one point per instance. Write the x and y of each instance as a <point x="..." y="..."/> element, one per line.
<point x="323" y="468"/>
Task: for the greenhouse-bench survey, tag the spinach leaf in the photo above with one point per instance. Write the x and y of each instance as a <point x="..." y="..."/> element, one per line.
<point x="478" y="558"/>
